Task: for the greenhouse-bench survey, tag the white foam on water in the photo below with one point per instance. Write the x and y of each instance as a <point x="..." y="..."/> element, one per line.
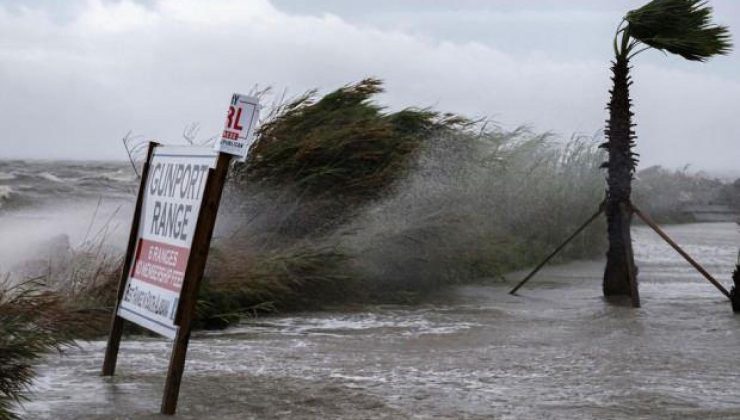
<point x="404" y="323"/>
<point x="50" y="177"/>
<point x="5" y="192"/>
<point x="124" y="176"/>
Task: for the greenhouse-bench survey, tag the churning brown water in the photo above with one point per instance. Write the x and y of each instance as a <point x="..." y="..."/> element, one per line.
<point x="556" y="351"/>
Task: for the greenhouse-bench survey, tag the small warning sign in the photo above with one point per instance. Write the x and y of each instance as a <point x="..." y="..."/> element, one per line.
<point x="238" y="133"/>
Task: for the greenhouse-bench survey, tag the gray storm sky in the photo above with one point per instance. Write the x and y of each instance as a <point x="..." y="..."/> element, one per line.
<point x="75" y="76"/>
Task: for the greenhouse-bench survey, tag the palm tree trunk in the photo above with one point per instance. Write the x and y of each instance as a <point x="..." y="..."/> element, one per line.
<point x="620" y="168"/>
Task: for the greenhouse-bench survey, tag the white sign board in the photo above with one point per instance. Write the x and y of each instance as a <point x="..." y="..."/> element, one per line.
<point x="169" y="213"/>
<point x="238" y="133"/>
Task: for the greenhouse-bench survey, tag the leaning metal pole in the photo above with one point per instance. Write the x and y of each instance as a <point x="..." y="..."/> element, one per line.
<point x="645" y="218"/>
<point x="558" y="249"/>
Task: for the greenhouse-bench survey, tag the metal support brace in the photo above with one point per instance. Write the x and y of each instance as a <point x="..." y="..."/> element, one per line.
<point x="558" y="249"/>
<point x="645" y="218"/>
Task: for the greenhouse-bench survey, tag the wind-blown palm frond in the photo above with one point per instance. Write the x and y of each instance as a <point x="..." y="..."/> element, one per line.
<point x="682" y="27"/>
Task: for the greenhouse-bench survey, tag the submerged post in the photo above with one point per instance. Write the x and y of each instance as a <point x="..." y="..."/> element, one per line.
<point x="236" y="139"/>
<point x="186" y="311"/>
<point x="116" y="330"/>
<point x="735" y="292"/>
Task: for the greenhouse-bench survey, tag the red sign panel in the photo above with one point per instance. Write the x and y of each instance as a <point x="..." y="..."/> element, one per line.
<point x="160" y="264"/>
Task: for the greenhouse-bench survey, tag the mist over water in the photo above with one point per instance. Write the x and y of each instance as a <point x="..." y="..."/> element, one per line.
<point x="48" y="209"/>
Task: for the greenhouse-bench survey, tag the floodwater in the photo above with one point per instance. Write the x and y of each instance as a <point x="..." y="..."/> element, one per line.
<point x="558" y="350"/>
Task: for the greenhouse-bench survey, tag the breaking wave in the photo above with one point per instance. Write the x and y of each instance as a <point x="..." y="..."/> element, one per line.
<point x="39" y="183"/>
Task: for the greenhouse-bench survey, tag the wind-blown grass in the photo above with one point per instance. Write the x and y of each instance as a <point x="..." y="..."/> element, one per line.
<point x="33" y="321"/>
<point x="470" y="202"/>
<point x="71" y="298"/>
<point x="293" y="276"/>
<point x="343" y="147"/>
<point x="480" y="205"/>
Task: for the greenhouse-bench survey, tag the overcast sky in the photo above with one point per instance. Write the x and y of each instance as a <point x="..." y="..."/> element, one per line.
<point x="75" y="76"/>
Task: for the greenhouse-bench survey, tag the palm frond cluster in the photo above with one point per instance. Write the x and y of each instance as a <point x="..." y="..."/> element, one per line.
<point x="682" y="27"/>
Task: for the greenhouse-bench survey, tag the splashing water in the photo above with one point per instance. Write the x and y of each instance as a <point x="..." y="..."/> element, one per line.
<point x="557" y="350"/>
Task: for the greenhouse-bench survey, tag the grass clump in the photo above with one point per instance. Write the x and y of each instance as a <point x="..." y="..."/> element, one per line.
<point x="342" y="146"/>
<point x="298" y="276"/>
<point x="33" y="321"/>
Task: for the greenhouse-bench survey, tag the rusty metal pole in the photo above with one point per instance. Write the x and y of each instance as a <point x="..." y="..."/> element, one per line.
<point x="557" y="250"/>
<point x="645" y="218"/>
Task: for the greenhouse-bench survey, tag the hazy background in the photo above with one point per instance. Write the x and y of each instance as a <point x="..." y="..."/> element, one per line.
<point x="75" y="76"/>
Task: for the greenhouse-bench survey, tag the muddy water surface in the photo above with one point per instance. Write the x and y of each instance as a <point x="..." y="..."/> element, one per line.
<point x="557" y="350"/>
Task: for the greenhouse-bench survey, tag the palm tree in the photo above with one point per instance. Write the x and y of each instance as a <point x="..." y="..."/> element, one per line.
<point x="681" y="27"/>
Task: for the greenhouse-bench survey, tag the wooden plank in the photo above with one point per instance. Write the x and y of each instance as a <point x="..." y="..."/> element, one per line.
<point x="557" y="250"/>
<point x="191" y="284"/>
<point x="116" y="329"/>
<point x="645" y="218"/>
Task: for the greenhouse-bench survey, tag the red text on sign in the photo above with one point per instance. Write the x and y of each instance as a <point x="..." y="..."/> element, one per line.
<point x="160" y="264"/>
<point x="232" y="121"/>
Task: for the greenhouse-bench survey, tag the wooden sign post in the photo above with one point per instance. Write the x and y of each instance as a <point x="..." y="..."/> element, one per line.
<point x="116" y="330"/>
<point x="186" y="312"/>
<point x="170" y="237"/>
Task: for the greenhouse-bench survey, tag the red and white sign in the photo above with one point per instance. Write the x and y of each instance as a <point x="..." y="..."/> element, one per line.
<point x="169" y="213"/>
<point x="238" y="134"/>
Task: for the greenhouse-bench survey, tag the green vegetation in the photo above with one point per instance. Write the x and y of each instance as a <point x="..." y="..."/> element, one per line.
<point x="342" y="144"/>
<point x="342" y="147"/>
<point x="295" y="276"/>
<point x="478" y="205"/>
<point x="71" y="299"/>
<point x="33" y="321"/>
<point x="386" y="207"/>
